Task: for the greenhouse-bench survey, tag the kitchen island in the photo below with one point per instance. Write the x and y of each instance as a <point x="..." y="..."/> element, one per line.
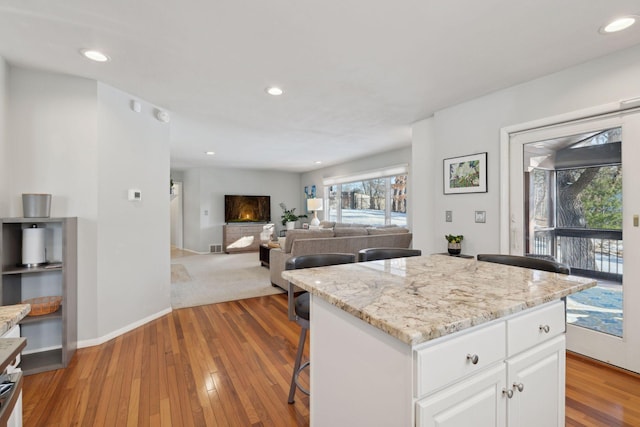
<point x="436" y="340"/>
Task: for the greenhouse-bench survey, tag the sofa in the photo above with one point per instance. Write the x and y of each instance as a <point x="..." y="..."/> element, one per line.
<point x="332" y="237"/>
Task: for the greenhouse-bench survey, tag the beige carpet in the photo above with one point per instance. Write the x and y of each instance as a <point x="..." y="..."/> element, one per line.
<point x="212" y="278"/>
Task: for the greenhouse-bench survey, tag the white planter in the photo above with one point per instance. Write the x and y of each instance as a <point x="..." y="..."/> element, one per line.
<point x="291" y="225"/>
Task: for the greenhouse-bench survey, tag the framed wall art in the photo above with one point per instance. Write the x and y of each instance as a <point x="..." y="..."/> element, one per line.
<point x="466" y="174"/>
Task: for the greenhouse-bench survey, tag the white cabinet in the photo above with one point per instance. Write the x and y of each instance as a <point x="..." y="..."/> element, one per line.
<point x="539" y="373"/>
<point x="476" y="401"/>
<point x="362" y="376"/>
<point x="520" y="387"/>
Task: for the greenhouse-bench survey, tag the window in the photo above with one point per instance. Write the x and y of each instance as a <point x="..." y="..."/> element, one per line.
<point x="368" y="199"/>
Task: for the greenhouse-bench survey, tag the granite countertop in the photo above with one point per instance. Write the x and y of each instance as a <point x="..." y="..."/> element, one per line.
<point x="418" y="299"/>
<point x="10" y="315"/>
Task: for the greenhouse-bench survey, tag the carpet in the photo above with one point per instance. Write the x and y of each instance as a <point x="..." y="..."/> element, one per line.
<point x="179" y="274"/>
<point x="212" y="278"/>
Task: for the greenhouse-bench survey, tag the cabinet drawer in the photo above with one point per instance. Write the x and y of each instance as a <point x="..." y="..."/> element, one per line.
<point x="526" y="331"/>
<point x="447" y="361"/>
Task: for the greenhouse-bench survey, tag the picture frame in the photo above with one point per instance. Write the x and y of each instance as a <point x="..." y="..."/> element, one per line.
<point x="305" y="226"/>
<point x="465" y="174"/>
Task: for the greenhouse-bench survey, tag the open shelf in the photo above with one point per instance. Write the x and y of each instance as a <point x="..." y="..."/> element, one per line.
<point x="34" y="363"/>
<point x="35" y="319"/>
<point x="58" y="276"/>
<point x="30" y="270"/>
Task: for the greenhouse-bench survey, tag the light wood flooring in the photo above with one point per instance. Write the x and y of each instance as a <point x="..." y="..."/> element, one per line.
<point x="229" y="364"/>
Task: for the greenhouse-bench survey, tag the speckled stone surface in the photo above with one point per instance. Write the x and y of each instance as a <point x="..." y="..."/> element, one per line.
<point x="10" y="315"/>
<point x="418" y="299"/>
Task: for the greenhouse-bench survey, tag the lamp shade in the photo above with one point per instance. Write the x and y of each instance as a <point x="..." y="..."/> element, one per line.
<point x="314" y="204"/>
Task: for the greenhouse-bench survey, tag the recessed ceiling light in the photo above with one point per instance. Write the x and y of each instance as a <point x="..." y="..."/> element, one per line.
<point x="618" y="24"/>
<point x="209" y="153"/>
<point x="318" y="162"/>
<point x="274" y="90"/>
<point x="94" y="55"/>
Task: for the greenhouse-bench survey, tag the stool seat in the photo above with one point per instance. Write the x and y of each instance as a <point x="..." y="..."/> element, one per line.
<point x="302" y="306"/>
<point x="299" y="306"/>
<point x="375" y="254"/>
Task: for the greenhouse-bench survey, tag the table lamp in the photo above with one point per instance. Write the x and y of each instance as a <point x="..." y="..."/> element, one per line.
<point x="314" y="205"/>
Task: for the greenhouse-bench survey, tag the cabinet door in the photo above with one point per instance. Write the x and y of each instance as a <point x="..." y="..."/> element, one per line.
<point x="475" y="401"/>
<point x="540" y="373"/>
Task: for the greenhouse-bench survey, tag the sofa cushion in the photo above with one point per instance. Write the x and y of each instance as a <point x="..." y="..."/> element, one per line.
<point x="293" y="235"/>
<point x="349" y="224"/>
<point x="327" y="224"/>
<point x="387" y="230"/>
<point x="349" y="231"/>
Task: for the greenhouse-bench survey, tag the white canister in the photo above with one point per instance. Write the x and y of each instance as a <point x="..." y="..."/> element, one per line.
<point x="33" y="246"/>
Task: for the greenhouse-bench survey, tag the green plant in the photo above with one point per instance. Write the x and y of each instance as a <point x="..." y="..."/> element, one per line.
<point x="451" y="238"/>
<point x="288" y="215"/>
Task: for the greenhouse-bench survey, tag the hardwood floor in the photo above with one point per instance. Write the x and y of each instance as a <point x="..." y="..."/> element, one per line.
<point x="226" y="364"/>
<point x="600" y="395"/>
<point x="229" y="364"/>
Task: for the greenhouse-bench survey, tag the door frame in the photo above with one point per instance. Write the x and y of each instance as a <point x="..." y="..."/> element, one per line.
<point x="558" y="120"/>
<point x="607" y="348"/>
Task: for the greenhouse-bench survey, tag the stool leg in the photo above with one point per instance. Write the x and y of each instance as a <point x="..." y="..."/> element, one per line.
<point x="292" y="389"/>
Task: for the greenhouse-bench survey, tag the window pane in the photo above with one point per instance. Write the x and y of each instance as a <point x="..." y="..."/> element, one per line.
<point x="540" y="213"/>
<point x="590" y="198"/>
<point x="331" y="213"/>
<point x="365" y="202"/>
<point x="399" y="200"/>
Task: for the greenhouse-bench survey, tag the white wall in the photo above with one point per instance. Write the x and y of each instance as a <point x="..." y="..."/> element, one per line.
<point x="4" y="164"/>
<point x="78" y="140"/>
<point x="52" y="148"/>
<point x="204" y="190"/>
<point x="133" y="237"/>
<point x="423" y="191"/>
<point x="474" y="127"/>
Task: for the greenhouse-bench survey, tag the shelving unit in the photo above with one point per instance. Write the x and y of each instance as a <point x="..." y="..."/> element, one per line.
<point x="51" y="338"/>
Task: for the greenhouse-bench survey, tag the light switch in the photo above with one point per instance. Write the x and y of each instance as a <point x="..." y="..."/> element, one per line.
<point x="481" y="216"/>
<point x="448" y="216"/>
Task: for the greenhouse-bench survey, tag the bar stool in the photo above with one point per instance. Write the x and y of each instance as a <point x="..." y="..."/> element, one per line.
<point x="299" y="306"/>
<point x="527" y="262"/>
<point x="373" y="254"/>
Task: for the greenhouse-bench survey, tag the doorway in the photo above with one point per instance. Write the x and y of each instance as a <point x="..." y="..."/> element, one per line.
<point x="176" y="216"/>
<point x="571" y="199"/>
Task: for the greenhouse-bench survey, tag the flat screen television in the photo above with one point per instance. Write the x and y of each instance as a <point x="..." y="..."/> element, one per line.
<point x="247" y="208"/>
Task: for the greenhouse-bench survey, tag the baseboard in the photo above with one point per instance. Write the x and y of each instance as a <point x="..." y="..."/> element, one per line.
<point x="123" y="330"/>
<point x="596" y="362"/>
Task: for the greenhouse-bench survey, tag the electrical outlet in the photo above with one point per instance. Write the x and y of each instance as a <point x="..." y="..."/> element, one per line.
<point x="448" y="216"/>
<point x="481" y="216"/>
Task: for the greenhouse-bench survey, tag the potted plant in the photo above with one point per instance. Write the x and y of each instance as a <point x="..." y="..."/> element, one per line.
<point x="289" y="216"/>
<point x="455" y="243"/>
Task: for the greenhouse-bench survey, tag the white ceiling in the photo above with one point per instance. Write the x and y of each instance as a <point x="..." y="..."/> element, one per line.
<point x="356" y="73"/>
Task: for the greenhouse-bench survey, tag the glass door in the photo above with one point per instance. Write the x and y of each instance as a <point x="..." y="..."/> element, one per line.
<point x="567" y="205"/>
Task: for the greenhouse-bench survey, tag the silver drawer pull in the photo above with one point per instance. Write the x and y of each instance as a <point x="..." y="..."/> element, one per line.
<point x="508" y="393"/>
<point x="545" y="328"/>
<point x="473" y="358"/>
<point x="518" y="386"/>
